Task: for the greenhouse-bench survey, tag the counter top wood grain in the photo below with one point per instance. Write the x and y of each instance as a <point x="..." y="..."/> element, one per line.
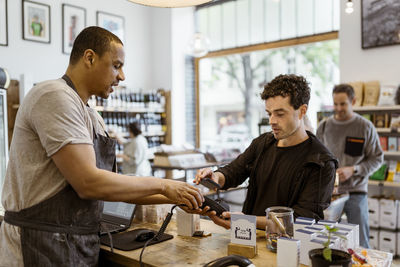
<point x="184" y="251"/>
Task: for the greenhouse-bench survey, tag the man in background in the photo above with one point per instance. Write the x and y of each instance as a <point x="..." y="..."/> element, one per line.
<point x="355" y="142"/>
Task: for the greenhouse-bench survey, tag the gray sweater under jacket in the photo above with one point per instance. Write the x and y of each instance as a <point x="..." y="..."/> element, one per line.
<point x="333" y="133"/>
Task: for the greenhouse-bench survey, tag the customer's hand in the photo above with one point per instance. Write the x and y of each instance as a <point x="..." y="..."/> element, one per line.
<point x="182" y="193"/>
<point x="205" y="173"/>
<point x="224" y="220"/>
<point x="203" y="212"/>
<point x="345" y="173"/>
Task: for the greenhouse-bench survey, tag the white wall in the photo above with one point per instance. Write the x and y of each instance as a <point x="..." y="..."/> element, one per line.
<point x="182" y="30"/>
<point x="356" y="64"/>
<point x="43" y="61"/>
<point x="160" y="52"/>
<point x="171" y="29"/>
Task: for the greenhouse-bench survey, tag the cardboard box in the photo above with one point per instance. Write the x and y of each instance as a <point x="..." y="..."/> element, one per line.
<point x="387" y="241"/>
<point x="355" y="228"/>
<point x="187" y="223"/>
<point x="398" y="244"/>
<point x="384" y="142"/>
<point x="374" y="239"/>
<point x="373" y="212"/>
<point x="304" y="236"/>
<point x="305" y="219"/>
<point x="288" y="252"/>
<point x="179" y="159"/>
<point x="392" y="143"/>
<point x="388" y="213"/>
<point x="300" y="225"/>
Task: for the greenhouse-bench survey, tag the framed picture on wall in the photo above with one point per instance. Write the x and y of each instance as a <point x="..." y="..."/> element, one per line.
<point x="73" y="22"/>
<point x="3" y="23"/>
<point x="113" y="23"/>
<point x="35" y="21"/>
<point x="380" y="23"/>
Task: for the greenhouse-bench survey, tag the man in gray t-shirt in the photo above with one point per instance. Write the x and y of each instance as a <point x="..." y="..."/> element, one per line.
<point x="355" y="142"/>
<point x="61" y="163"/>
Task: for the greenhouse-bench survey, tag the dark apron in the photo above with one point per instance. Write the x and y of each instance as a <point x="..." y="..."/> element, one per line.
<point x="63" y="230"/>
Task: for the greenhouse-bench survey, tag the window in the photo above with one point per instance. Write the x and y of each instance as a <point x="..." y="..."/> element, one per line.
<point x="230" y="105"/>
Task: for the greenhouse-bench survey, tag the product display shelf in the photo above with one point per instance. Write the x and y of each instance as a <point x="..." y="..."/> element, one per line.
<point x="129" y="110"/>
<point x="391" y="153"/>
<point x="376" y="108"/>
<point x="383" y="183"/>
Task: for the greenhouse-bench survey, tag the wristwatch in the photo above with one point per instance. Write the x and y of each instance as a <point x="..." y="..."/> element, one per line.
<point x="356" y="169"/>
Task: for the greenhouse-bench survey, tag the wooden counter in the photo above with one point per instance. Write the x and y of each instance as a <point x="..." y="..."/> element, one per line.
<point x="183" y="251"/>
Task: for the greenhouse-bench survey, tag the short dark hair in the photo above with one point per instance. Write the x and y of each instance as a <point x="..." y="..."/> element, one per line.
<point x="135" y="128"/>
<point x="95" y="38"/>
<point x="344" y="88"/>
<point x="296" y="87"/>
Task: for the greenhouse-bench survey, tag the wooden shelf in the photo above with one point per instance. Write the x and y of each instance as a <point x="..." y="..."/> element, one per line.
<point x="376" y="108"/>
<point x="130" y="110"/>
<point x="384" y="183"/>
<point x="126" y="135"/>
<point x="391" y="153"/>
<point x="387" y="131"/>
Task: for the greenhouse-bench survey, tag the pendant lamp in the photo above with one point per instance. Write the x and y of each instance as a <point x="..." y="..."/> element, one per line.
<point x="198" y="45"/>
<point x="170" y="3"/>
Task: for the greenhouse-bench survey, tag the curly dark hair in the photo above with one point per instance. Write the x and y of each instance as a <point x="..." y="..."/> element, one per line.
<point x="95" y="38"/>
<point x="344" y="88"/>
<point x="296" y="87"/>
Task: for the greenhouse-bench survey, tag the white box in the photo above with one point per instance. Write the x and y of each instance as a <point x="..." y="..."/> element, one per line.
<point x="334" y="240"/>
<point x="373" y="212"/>
<point x="305" y="219"/>
<point x="374" y="239"/>
<point x="356" y="231"/>
<point x="398" y="244"/>
<point x="326" y="222"/>
<point x="352" y="240"/>
<point x="304" y="237"/>
<point x="315" y="229"/>
<point x="388" y="213"/>
<point x="387" y="241"/>
<point x="300" y="225"/>
<point x="288" y="252"/>
<point x="187" y="223"/>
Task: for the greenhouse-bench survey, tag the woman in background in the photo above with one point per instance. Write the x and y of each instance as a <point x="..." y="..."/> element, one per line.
<point x="135" y="157"/>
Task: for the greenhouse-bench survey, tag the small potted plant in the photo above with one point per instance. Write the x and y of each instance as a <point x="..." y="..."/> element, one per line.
<point x="324" y="257"/>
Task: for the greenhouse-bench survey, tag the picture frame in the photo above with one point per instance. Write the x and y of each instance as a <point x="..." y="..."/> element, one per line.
<point x="113" y="23"/>
<point x="73" y="22"/>
<point x="35" y="21"/>
<point x="3" y="23"/>
<point x="380" y="23"/>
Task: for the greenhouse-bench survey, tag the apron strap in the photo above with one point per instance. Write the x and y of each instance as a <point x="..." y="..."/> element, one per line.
<point x="16" y="219"/>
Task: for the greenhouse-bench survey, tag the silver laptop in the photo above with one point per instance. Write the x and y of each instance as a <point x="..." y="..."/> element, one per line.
<point x="116" y="217"/>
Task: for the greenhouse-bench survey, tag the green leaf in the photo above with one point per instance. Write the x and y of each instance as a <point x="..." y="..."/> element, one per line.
<point x="327" y="253"/>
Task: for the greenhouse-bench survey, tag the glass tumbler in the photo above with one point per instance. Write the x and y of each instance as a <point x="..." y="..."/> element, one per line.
<point x="282" y="225"/>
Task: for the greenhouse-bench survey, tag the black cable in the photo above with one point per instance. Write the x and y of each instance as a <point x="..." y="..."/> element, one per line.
<point x="159" y="233"/>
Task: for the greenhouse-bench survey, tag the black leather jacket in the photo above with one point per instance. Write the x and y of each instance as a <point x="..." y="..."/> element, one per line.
<point x="311" y="190"/>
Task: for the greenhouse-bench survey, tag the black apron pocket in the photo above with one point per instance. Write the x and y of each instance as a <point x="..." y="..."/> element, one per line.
<point x="354" y="146"/>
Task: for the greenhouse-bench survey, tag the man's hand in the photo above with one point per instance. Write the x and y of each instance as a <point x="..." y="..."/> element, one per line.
<point x="224" y="220"/>
<point x="205" y="173"/>
<point x="345" y="173"/>
<point x="182" y="193"/>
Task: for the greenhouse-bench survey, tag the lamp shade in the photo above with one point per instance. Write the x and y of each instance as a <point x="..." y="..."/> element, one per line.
<point x="4" y="78"/>
<point x="170" y="3"/>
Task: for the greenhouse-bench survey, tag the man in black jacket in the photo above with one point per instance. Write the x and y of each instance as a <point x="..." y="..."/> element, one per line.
<point x="288" y="166"/>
